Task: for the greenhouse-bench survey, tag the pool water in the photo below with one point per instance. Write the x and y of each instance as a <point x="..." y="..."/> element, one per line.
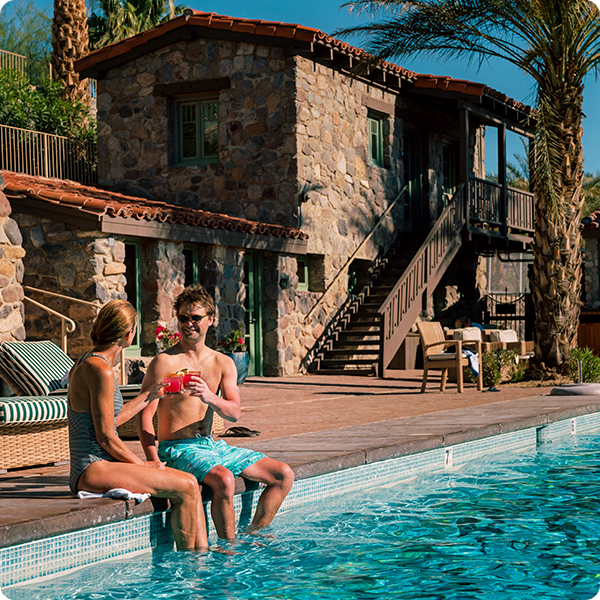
<point x="526" y="526"/>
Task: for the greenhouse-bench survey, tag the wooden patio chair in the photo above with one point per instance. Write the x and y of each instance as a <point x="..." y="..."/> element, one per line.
<point x="433" y="343"/>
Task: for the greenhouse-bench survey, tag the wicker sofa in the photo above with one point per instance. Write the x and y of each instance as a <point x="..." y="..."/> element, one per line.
<point x="33" y="431"/>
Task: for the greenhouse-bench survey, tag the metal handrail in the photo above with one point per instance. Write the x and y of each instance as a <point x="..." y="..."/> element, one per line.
<point x="358" y="249"/>
<point x="64" y="318"/>
<point x="67" y="325"/>
<point x="37" y="153"/>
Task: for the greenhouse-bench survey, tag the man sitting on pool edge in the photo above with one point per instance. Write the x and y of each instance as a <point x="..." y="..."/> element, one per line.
<point x="185" y="420"/>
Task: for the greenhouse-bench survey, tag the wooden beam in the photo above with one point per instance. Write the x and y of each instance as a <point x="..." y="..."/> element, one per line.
<point x="191" y="87"/>
<point x="494" y="119"/>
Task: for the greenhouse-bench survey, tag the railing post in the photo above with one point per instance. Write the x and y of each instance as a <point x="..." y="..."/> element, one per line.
<point x="380" y="362"/>
<point x="64" y="335"/>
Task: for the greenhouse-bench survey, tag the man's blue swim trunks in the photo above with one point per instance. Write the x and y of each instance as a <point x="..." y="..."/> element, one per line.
<point x="201" y="454"/>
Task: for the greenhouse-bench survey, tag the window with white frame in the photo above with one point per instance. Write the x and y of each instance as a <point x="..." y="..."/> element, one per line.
<point x="197" y="131"/>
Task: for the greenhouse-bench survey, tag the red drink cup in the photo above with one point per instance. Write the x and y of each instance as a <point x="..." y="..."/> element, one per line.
<point x="173" y="383"/>
<point x="187" y="376"/>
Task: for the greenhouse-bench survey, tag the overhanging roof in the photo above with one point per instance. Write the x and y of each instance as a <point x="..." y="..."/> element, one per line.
<point x="293" y="38"/>
<point x="92" y="207"/>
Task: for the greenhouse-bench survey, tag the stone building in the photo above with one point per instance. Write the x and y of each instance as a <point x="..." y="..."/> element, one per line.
<point x="269" y="125"/>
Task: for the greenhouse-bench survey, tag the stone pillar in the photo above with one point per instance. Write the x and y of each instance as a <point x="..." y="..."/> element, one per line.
<point x="163" y="277"/>
<point x="222" y="274"/>
<point x="11" y="274"/>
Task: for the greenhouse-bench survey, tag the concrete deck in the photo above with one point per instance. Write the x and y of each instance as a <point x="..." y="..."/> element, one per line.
<point x="317" y="424"/>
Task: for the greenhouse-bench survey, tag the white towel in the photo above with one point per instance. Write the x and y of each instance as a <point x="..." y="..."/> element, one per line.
<point x="473" y="361"/>
<point x="117" y="493"/>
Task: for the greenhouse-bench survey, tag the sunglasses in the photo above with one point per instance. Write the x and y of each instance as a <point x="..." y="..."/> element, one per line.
<point x="183" y="319"/>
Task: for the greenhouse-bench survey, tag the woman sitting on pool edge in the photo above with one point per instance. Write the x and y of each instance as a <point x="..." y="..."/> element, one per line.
<point x="100" y="461"/>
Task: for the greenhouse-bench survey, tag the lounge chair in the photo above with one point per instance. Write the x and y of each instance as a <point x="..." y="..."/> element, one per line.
<point x="434" y="344"/>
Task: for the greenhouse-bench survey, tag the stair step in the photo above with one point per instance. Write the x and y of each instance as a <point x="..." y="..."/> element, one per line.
<point x="363" y="340"/>
<point x="350" y="372"/>
<point x="343" y="335"/>
<point x="364" y="323"/>
<point x="340" y="362"/>
<point x="351" y="352"/>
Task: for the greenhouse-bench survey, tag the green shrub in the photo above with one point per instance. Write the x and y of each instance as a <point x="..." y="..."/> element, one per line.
<point x="490" y="369"/>
<point x="590" y="365"/>
<point x="500" y="365"/>
<point x="42" y="108"/>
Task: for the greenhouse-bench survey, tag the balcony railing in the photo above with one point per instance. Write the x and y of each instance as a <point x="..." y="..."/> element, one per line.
<point x="486" y="205"/>
<point x="36" y="153"/>
<point x="35" y="70"/>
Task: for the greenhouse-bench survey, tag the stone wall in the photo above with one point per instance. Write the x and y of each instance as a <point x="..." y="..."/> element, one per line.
<point x="85" y="265"/>
<point x="163" y="275"/>
<point x="221" y="272"/>
<point x="11" y="274"/>
<point x="255" y="177"/>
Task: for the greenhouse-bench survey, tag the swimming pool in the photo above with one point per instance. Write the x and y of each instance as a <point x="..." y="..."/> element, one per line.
<point x="526" y="525"/>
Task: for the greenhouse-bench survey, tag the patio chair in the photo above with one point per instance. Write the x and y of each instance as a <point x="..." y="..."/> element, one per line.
<point x="433" y="343"/>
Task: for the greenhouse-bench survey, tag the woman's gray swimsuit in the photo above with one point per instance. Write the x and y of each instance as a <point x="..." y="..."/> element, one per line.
<point x="83" y="445"/>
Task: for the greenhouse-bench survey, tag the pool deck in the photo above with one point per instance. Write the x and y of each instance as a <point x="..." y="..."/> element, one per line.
<point x="317" y="424"/>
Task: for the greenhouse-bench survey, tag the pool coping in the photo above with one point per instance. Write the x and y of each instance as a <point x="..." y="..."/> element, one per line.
<point x="321" y="453"/>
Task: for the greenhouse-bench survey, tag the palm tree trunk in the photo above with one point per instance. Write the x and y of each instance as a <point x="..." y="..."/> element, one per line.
<point x="70" y="42"/>
<point x="556" y="273"/>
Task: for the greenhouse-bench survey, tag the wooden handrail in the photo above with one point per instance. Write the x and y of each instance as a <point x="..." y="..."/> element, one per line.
<point x="404" y="302"/>
<point x="358" y="249"/>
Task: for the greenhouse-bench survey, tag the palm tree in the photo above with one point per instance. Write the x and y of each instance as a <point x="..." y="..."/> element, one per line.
<point x="70" y="42"/>
<point x="114" y="20"/>
<point x="556" y="42"/>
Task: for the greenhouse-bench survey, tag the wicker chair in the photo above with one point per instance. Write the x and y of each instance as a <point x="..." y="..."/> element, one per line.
<point x="433" y="343"/>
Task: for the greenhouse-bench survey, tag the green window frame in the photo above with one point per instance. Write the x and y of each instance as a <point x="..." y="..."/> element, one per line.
<point x="197" y="132"/>
<point x="302" y="273"/>
<point x="375" y="133"/>
<point x="133" y="289"/>
<point x="191" y="274"/>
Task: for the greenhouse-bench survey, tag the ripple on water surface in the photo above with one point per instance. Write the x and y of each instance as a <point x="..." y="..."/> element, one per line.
<point x="524" y="527"/>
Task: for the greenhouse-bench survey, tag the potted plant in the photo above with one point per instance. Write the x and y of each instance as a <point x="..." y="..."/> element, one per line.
<point x="234" y="346"/>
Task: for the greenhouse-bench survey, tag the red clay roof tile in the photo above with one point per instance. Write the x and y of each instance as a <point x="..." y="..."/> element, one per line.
<point x="99" y="201"/>
<point x="287" y="31"/>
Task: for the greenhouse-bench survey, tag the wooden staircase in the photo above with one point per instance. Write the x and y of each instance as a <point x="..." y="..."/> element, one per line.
<point x="367" y="332"/>
<point x="354" y="346"/>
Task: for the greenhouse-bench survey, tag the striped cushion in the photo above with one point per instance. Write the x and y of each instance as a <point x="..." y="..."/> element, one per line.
<point x="32" y="409"/>
<point x="40" y="366"/>
<point x="130" y="391"/>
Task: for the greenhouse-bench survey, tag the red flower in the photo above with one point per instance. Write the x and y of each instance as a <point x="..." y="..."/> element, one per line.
<point x="240" y="341"/>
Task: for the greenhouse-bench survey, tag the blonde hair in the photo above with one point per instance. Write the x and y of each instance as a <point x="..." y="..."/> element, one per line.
<point x="114" y="320"/>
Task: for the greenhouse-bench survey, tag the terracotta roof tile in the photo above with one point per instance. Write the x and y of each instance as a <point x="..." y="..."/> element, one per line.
<point x="98" y="201"/>
<point x="592" y="221"/>
<point x="294" y="32"/>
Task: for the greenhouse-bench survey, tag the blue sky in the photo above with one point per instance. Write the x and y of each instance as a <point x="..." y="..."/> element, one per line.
<point x="327" y="16"/>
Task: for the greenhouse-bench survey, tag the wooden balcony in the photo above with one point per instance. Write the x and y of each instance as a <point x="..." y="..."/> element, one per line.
<point x="499" y="212"/>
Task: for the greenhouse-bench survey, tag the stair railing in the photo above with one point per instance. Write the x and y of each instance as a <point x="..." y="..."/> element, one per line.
<point x="404" y="303"/>
<point x="354" y="254"/>
<point x="67" y="325"/>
